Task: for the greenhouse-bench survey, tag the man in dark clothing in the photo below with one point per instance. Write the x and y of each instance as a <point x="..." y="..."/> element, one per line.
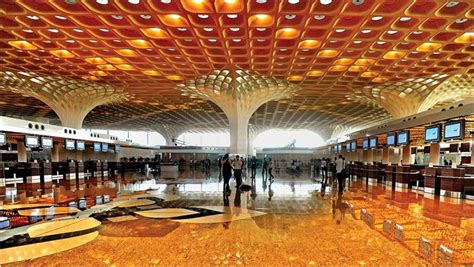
<point x="265" y="167"/>
<point x="254" y="166"/>
<point x="226" y="173"/>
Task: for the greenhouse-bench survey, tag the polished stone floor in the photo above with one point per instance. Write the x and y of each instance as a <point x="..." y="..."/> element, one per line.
<point x="290" y="221"/>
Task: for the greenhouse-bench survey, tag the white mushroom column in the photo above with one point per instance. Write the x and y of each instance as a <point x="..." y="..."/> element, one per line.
<point x="238" y="93"/>
<point x="70" y="99"/>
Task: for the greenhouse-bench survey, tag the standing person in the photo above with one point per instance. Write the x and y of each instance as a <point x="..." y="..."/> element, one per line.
<point x="324" y="168"/>
<point x="226" y="173"/>
<point x="219" y="163"/>
<point x="238" y="171"/>
<point x="270" y="168"/>
<point x="340" y="173"/>
<point x="253" y="165"/>
<point x="317" y="167"/>
<point x="264" y="167"/>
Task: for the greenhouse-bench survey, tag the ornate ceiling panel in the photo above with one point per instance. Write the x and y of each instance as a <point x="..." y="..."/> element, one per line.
<point x="336" y="51"/>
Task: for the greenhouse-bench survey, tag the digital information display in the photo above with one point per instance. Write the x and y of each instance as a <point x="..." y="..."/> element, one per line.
<point x="454" y="130"/>
<point x="403" y="138"/>
<point x="46" y="142"/>
<point x="97" y="147"/>
<point x="348" y="146"/>
<point x="339" y="148"/>
<point x="70" y="144"/>
<point x="365" y="144"/>
<point x="354" y="146"/>
<point x="105" y="147"/>
<point x="31" y="141"/>
<point x="373" y="142"/>
<point x="432" y="133"/>
<point x="117" y="148"/>
<point x="391" y="139"/>
<point x="3" y="139"/>
<point x="80" y="145"/>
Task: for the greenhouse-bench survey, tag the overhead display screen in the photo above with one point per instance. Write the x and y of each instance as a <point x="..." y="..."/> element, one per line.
<point x="354" y="146"/>
<point x="31" y="141"/>
<point x="373" y="142"/>
<point x="454" y="130"/>
<point x="97" y="147"/>
<point x="3" y="139"/>
<point x="46" y="142"/>
<point x="105" y="147"/>
<point x="402" y="138"/>
<point x="117" y="148"/>
<point x="433" y="133"/>
<point x="70" y="144"/>
<point x="391" y="139"/>
<point x="365" y="144"/>
<point x="339" y="148"/>
<point x="348" y="146"/>
<point x="80" y="145"/>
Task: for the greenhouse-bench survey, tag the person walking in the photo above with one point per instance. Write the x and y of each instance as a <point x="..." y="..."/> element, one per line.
<point x="324" y="168"/>
<point x="226" y="173"/>
<point x="264" y="167"/>
<point x="270" y="169"/>
<point x="253" y="165"/>
<point x="238" y="171"/>
<point x="340" y="173"/>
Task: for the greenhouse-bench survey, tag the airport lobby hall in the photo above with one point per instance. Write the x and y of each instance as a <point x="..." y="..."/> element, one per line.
<point x="236" y="132"/>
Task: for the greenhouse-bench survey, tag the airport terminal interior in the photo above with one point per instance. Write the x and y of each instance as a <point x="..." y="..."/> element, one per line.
<point x="236" y="132"/>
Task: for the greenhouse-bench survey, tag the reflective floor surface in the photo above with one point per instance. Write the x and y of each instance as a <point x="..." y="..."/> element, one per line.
<point x="290" y="221"/>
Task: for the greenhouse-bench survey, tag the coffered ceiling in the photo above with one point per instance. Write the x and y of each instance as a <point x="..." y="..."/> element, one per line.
<point x="356" y="64"/>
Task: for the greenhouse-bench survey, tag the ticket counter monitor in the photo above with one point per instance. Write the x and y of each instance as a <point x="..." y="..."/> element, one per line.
<point x="46" y="176"/>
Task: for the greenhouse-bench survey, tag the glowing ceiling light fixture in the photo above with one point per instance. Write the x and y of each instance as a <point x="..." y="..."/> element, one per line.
<point x="165" y="1"/>
<point x="174" y="16"/>
<point x="366" y="31"/>
<point x="198" y="1"/>
<point x="78" y="30"/>
<point x="261" y="1"/>
<point x="235" y="29"/>
<point x="377" y="18"/>
<point x="461" y="20"/>
<point x="404" y="19"/>
<point x="340" y="30"/>
<point x="290" y="17"/>
<point x="103" y="30"/>
<point x="325" y="2"/>
<point x="380" y="42"/>
<point x="319" y="17"/>
<point x="134" y="2"/>
<point x="117" y="17"/>
<point x="53" y="30"/>
<point x="28" y="30"/>
<point x="294" y="2"/>
<point x="417" y="32"/>
<point x="145" y="16"/>
<point x="261" y="29"/>
<point x="237" y="40"/>
<point x="33" y="17"/>
<point x="203" y="16"/>
<point x="357" y="42"/>
<point x="212" y="40"/>
<point x="232" y="16"/>
<point x="182" y="29"/>
<point x="229" y="2"/>
<point x="208" y="29"/>
<point x="261" y="16"/>
<point x="452" y="3"/>
<point x="102" y="2"/>
<point x="392" y="32"/>
<point x="60" y="17"/>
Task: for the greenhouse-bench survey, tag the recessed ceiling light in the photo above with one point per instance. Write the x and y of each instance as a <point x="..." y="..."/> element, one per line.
<point x="391" y="32"/>
<point x="414" y="52"/>
<point x="325" y="2"/>
<point x="145" y="16"/>
<point x="203" y="16"/>
<point x="232" y="16"/>
<point x="70" y="41"/>
<point x="134" y="2"/>
<point x="117" y="17"/>
<point x="60" y="17"/>
<point x="28" y="30"/>
<point x="182" y="29"/>
<point x="117" y="41"/>
<point x="417" y="32"/>
<point x="78" y="30"/>
<point x="377" y="18"/>
<point x="283" y="49"/>
<point x="212" y="40"/>
<point x="333" y="41"/>
<point x="366" y="31"/>
<point x="340" y="30"/>
<point x="165" y="1"/>
<point x="452" y="4"/>
<point x="236" y="40"/>
<point x="102" y="2"/>
<point x="319" y="17"/>
<point x="293" y="2"/>
<point x="103" y="30"/>
<point x="53" y="30"/>
<point x="261" y="40"/>
<point x="33" y="17"/>
<point x="380" y="42"/>
<point x="235" y="29"/>
<point x="93" y="41"/>
<point x="261" y="1"/>
<point x="405" y="19"/>
<point x="208" y="29"/>
<point x="357" y="42"/>
<point x="261" y="29"/>
<point x="290" y="16"/>
<point x="462" y="20"/>
<point x="436" y="53"/>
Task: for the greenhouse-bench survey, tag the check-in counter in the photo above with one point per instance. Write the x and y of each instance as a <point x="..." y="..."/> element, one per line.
<point x="46" y="177"/>
<point x="390" y="176"/>
<point x="31" y="184"/>
<point x="375" y="173"/>
<point x="70" y="178"/>
<point x="59" y="171"/>
<point x="3" y="183"/>
<point x="432" y="180"/>
<point x="454" y="182"/>
<point x="407" y="175"/>
<point x="80" y="174"/>
<point x="105" y="171"/>
<point x="361" y="171"/>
